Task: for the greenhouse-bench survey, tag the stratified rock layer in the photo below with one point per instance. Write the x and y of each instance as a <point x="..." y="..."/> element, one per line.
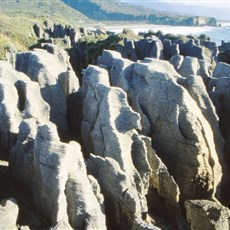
<point x="20" y="98"/>
<point x="204" y="214"/>
<point x="109" y="131"/>
<point x="180" y="133"/>
<point x="56" y="175"/>
<point x="56" y="80"/>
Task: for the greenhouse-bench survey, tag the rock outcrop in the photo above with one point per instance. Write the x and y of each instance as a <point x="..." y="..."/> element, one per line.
<point x="219" y="91"/>
<point x="153" y="137"/>
<point x="56" y="175"/>
<point x="149" y="47"/>
<point x="50" y="29"/>
<point x="204" y="214"/>
<point x="109" y="131"/>
<point x="20" y="98"/>
<point x="197" y="90"/>
<point x="54" y="77"/>
<point x="221" y="70"/>
<point x="224" y="54"/>
<point x="174" y="118"/>
<point x="189" y="66"/>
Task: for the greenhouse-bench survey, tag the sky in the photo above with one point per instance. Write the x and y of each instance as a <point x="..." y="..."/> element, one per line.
<point x="213" y="8"/>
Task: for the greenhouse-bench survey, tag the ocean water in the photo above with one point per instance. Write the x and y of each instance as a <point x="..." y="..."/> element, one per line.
<point x="217" y="34"/>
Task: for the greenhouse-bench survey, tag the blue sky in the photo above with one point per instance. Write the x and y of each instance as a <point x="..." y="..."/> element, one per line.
<point x="219" y="9"/>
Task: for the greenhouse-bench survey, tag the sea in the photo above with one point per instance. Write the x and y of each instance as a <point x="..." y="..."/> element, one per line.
<point x="217" y="34"/>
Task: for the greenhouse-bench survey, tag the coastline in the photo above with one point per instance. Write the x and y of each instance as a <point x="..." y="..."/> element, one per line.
<point x="217" y="34"/>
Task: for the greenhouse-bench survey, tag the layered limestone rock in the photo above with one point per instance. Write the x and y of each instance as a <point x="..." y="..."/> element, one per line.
<point x="219" y="91"/>
<point x="109" y="131"/>
<point x="56" y="80"/>
<point x="189" y="66"/>
<point x="204" y="214"/>
<point x="180" y="133"/>
<point x="149" y="47"/>
<point x="20" y="98"/>
<point x="124" y="207"/>
<point x="221" y="70"/>
<point x="197" y="90"/>
<point x="162" y="181"/>
<point x="56" y="175"/>
<point x="8" y="214"/>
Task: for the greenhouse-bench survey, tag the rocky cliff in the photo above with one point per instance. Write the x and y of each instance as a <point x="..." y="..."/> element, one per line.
<point x="140" y="143"/>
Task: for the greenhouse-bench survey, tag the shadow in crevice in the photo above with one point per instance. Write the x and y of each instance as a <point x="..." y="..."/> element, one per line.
<point x="28" y="215"/>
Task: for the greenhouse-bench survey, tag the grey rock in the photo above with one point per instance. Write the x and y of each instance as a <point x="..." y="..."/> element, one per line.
<point x="219" y="91"/>
<point x="161" y="179"/>
<point x="177" y="120"/>
<point x="212" y="46"/>
<point x="224" y="54"/>
<point x="189" y="66"/>
<point x="129" y="50"/>
<point x="46" y="69"/>
<point x="106" y="60"/>
<point x="149" y="47"/>
<point x="8" y="214"/>
<point x="205" y="214"/>
<point x="122" y="201"/>
<point x="56" y="174"/>
<point x="109" y="131"/>
<point x="176" y="61"/>
<point x="59" y="31"/>
<point x="175" y="50"/>
<point x="38" y="30"/>
<point x="198" y="92"/>
<point x="205" y="71"/>
<point x="20" y="98"/>
<point x="192" y="50"/>
<point x="60" y="54"/>
<point x="167" y="44"/>
<point x="62" y="225"/>
<point x="221" y="70"/>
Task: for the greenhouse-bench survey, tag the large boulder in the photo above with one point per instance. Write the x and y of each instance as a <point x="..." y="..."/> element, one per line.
<point x="174" y="118"/>
<point x="56" y="175"/>
<point x="47" y="70"/>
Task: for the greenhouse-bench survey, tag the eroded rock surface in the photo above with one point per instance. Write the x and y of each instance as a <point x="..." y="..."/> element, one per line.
<point x="54" y="77"/>
<point x="56" y="174"/>
<point x="174" y="118"/>
<point x="20" y="98"/>
<point x="204" y="214"/>
<point x="109" y="131"/>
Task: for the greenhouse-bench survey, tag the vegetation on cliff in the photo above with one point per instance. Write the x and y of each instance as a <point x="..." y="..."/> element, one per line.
<point x="119" y="11"/>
